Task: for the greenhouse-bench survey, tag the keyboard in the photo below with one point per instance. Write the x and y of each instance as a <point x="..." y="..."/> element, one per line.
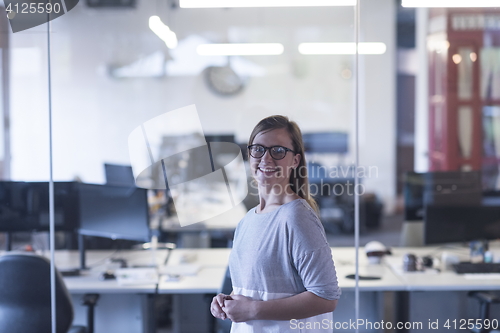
<point x="482" y="276"/>
<point x="476" y="268"/>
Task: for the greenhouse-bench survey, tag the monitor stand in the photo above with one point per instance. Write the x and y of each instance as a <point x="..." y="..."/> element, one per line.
<point x="81" y="250"/>
<point x="8" y="241"/>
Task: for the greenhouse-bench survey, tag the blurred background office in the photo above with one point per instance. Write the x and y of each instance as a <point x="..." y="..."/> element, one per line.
<point x="118" y="64"/>
<point x="110" y="73"/>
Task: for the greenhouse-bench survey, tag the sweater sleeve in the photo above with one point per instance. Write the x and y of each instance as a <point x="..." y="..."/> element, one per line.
<point x="311" y="253"/>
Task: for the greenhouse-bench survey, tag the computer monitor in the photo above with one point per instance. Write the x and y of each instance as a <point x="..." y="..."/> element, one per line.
<point x="326" y="142"/>
<point x="453" y="188"/>
<point x="453" y="224"/>
<point x="114" y="212"/>
<point x="413" y="193"/>
<point x="24" y="206"/>
<point x="219" y="138"/>
<point x="119" y="175"/>
<point x="450" y="188"/>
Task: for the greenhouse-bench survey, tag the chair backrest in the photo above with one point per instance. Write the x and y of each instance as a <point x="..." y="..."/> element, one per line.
<point x="25" y="296"/>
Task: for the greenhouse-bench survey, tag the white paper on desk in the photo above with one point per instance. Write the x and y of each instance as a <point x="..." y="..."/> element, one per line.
<point x="398" y="269"/>
<point x="181" y="270"/>
<point x="128" y="276"/>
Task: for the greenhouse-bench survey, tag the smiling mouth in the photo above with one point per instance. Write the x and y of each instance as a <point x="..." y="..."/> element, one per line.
<point x="268" y="170"/>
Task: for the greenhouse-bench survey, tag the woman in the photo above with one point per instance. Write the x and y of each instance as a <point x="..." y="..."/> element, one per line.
<point x="281" y="264"/>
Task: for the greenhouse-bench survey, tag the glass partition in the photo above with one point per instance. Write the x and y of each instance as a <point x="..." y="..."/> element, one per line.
<point x="450" y="191"/>
<point x="24" y="168"/>
<point x="25" y="137"/>
<point x="150" y="94"/>
<point x="128" y="92"/>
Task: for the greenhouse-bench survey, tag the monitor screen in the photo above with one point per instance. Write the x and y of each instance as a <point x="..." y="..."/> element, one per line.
<point x="119" y="175"/>
<point x="24" y="206"/>
<point x="453" y="188"/>
<point x="219" y="138"/>
<point x="448" y="224"/>
<point x="115" y="212"/>
<point x="326" y="142"/>
<point x="450" y="188"/>
<point x="413" y="192"/>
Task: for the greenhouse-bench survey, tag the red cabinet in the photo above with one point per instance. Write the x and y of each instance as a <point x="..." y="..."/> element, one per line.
<point x="464" y="91"/>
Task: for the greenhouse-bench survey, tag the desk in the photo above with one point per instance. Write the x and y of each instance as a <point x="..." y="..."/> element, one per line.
<point x="88" y="281"/>
<point x="213" y="265"/>
<point x="444" y="281"/>
<point x="129" y="308"/>
<point x="378" y="298"/>
<point x="441" y="295"/>
<point x="344" y="258"/>
<point x="193" y="294"/>
<point x="124" y="309"/>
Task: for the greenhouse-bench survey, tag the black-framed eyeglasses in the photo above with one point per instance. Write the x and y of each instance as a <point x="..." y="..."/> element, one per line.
<point x="277" y="152"/>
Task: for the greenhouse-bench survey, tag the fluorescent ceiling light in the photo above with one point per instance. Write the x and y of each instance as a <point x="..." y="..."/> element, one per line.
<point x="263" y="3"/>
<point x="342" y="48"/>
<point x="451" y="3"/>
<point x="240" y="49"/>
<point x="163" y="31"/>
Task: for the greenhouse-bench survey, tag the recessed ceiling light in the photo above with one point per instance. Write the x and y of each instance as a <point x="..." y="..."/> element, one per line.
<point x="240" y="49"/>
<point x="341" y="48"/>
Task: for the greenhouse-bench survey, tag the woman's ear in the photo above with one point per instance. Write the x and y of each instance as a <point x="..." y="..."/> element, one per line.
<point x="296" y="160"/>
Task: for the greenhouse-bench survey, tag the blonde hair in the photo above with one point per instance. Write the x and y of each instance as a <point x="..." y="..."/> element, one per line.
<point x="299" y="181"/>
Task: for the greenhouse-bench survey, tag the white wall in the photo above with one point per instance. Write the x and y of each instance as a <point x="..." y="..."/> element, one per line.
<point x="94" y="113"/>
<point x="378" y="100"/>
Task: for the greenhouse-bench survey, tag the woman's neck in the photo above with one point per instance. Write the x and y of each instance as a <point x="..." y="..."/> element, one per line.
<point x="271" y="198"/>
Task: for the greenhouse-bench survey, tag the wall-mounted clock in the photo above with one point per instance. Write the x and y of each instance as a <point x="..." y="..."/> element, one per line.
<point x="223" y="80"/>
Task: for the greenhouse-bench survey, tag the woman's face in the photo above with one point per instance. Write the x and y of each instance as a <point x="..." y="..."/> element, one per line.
<point x="267" y="170"/>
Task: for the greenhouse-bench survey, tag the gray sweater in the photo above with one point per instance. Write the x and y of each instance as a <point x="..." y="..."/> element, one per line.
<point x="280" y="254"/>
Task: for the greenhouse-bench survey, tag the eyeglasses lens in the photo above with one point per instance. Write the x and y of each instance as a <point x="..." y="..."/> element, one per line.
<point x="257" y="151"/>
<point x="278" y="153"/>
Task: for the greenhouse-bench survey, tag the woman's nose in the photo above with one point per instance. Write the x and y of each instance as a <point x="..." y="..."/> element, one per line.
<point x="267" y="156"/>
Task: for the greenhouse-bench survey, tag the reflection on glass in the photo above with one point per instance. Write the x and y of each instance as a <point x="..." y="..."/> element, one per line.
<point x="465" y="74"/>
<point x="24" y="152"/>
<point x="465" y="122"/>
<point x="491" y="147"/>
<point x="490" y="73"/>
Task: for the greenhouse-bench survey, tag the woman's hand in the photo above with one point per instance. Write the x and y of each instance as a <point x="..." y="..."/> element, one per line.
<point x="239" y="308"/>
<point x="217" y="305"/>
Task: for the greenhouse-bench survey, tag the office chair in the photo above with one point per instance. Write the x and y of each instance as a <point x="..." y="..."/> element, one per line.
<point x="485" y="300"/>
<point x="25" y="296"/>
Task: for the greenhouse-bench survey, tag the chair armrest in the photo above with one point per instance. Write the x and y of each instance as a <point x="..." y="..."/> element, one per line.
<point x="77" y="329"/>
<point x="484" y="297"/>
